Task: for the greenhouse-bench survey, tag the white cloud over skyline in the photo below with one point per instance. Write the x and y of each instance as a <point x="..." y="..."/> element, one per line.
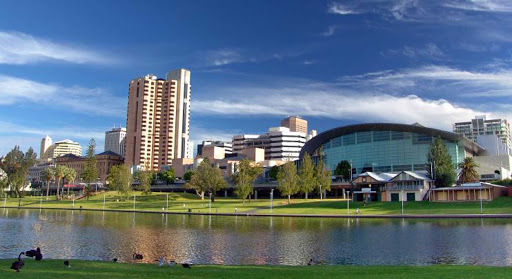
<point x="403" y="96"/>
<point x="20" y="48"/>
<point x="30" y="136"/>
<point x="95" y="101"/>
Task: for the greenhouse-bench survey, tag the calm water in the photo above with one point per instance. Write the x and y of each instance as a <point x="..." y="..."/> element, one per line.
<point x="254" y="240"/>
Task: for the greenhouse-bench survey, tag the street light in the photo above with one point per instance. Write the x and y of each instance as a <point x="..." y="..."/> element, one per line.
<point x="271" y="199"/>
<point x="402" y="200"/>
<point x="481" y="203"/>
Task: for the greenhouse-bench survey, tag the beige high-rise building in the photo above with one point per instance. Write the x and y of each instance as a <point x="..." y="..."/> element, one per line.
<point x="158" y="120"/>
<point x="295" y="124"/>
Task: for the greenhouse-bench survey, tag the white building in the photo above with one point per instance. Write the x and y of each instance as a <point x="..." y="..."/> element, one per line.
<point x="482" y="126"/>
<point x="228" y="146"/>
<point x="190" y="150"/>
<point x="46" y="142"/>
<point x="115" y="140"/>
<point x="279" y="143"/>
<point x="61" y="148"/>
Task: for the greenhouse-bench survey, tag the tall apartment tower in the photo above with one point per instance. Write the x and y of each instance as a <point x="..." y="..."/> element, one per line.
<point x="46" y="142"/>
<point x="482" y="126"/>
<point x="295" y="124"/>
<point x="115" y="140"/>
<point x="158" y="120"/>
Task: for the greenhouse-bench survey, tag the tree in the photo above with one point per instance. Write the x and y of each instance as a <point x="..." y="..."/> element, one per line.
<point x="306" y="175"/>
<point x="287" y="180"/>
<point x="188" y="175"/>
<point x="443" y="169"/>
<point x="120" y="179"/>
<point x="272" y="173"/>
<point x="48" y="175"/>
<point x="322" y="178"/>
<point x="468" y="171"/>
<point x="60" y="172"/>
<point x="168" y="176"/>
<point x="344" y="169"/>
<point x="90" y="172"/>
<point x="244" y="178"/>
<point x="145" y="178"/>
<point x="3" y="181"/>
<point x="15" y="165"/>
<point x="207" y="178"/>
<point x="70" y="176"/>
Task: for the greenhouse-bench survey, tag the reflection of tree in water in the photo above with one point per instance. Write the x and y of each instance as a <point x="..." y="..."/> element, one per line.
<point x="253" y="240"/>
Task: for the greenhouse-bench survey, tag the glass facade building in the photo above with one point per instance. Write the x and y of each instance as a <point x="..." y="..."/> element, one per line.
<point x="385" y="147"/>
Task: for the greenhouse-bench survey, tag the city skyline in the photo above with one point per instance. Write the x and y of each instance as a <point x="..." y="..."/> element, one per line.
<point x="331" y="62"/>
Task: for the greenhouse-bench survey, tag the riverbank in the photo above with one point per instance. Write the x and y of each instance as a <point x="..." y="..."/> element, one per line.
<point x="179" y="203"/>
<point x="97" y="269"/>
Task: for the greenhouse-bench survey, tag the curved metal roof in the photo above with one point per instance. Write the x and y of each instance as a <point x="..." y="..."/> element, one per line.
<point x="322" y="138"/>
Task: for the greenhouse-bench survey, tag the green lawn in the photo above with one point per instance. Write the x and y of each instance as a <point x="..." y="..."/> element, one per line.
<point x="182" y="202"/>
<point x="94" y="269"/>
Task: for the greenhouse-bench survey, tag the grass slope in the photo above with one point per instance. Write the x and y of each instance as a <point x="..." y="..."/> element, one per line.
<point x="95" y="269"/>
<point x="182" y="202"/>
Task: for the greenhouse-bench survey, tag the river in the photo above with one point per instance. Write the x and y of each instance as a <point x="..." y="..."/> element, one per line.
<point x="255" y="240"/>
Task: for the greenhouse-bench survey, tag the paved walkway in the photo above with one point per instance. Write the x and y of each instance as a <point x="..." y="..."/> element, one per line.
<point x="351" y="216"/>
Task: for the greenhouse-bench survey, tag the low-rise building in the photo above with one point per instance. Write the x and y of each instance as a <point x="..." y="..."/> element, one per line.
<point x="34" y="172"/>
<point x="397" y="186"/>
<point x="468" y="192"/>
<point x="104" y="161"/>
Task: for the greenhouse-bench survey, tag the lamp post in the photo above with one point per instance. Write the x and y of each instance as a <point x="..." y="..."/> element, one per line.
<point x="481" y="203"/>
<point x="133" y="202"/>
<point x="104" y="201"/>
<point x="402" y="201"/>
<point x="167" y="203"/>
<point x="271" y="199"/>
<point x="210" y="202"/>
<point x="348" y="205"/>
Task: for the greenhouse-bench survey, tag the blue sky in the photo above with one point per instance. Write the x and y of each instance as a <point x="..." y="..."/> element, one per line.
<point x="65" y="65"/>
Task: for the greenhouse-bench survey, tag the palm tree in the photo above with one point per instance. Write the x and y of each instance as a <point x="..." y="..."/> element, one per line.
<point x="468" y="171"/>
<point x="48" y="175"/>
<point x="70" y="177"/>
<point x="60" y="171"/>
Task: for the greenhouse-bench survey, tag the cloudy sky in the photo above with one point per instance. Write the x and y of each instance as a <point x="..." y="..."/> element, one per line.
<point x="65" y="65"/>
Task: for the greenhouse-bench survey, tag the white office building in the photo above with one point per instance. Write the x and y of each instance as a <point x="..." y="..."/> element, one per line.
<point x="279" y="143"/>
<point x="115" y="140"/>
<point x="480" y="125"/>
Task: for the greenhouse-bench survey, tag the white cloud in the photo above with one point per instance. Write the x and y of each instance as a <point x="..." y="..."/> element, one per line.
<point x="430" y="50"/>
<point x="402" y="10"/>
<point x="28" y="136"/>
<point x="223" y="57"/>
<point x="502" y="6"/>
<point x="21" y="48"/>
<point x="455" y="81"/>
<point x="94" y="101"/>
<point x="309" y="62"/>
<point x="199" y="134"/>
<point x="340" y="9"/>
<point x="343" y="105"/>
<point x="435" y="96"/>
<point x="330" y="31"/>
